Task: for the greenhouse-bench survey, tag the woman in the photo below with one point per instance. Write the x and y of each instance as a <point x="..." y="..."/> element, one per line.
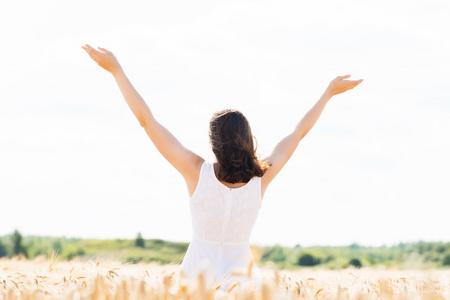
<point x="226" y="194"/>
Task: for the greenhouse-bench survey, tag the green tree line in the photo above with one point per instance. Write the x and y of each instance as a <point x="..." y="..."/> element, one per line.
<point x="404" y="255"/>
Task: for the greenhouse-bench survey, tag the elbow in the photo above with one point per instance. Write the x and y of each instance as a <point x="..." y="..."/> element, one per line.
<point x="142" y="123"/>
<point x="302" y="135"/>
<point x="145" y="120"/>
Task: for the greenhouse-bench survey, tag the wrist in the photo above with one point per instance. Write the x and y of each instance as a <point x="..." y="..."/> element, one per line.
<point x="327" y="94"/>
<point x="118" y="71"/>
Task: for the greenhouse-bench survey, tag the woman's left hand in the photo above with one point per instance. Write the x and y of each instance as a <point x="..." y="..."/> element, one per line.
<point x="103" y="58"/>
<point x="340" y="85"/>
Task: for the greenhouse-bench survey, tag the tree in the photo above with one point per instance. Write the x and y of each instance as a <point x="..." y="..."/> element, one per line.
<point x="446" y="261"/>
<point x="275" y="254"/>
<point x="308" y="260"/>
<point x="440" y="248"/>
<point x="3" y="251"/>
<point x="18" y="247"/>
<point x="421" y="247"/>
<point x="354" y="246"/>
<point x="140" y="242"/>
<point x="76" y="253"/>
<point x="330" y="257"/>
<point x="57" y="246"/>
<point x="355" y="262"/>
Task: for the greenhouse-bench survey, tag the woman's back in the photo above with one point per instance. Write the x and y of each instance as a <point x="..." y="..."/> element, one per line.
<point x="222" y="222"/>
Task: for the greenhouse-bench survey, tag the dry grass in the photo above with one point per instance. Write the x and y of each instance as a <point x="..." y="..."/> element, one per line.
<point x="44" y="279"/>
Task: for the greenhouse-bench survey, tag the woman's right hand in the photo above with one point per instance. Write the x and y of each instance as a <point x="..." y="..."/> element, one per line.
<point x="340" y="85"/>
<point x="103" y="58"/>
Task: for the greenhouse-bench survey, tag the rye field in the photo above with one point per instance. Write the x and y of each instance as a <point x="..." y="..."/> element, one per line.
<point x="43" y="278"/>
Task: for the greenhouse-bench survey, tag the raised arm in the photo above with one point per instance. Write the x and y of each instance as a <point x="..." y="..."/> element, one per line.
<point x="286" y="147"/>
<point x="184" y="160"/>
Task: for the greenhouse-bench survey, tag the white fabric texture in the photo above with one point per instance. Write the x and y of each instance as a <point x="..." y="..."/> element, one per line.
<point x="222" y="222"/>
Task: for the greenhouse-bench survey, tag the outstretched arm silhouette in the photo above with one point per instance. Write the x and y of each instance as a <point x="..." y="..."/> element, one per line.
<point x="185" y="161"/>
<point x="286" y="147"/>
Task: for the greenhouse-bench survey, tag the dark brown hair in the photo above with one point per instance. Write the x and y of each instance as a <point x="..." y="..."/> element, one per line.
<point x="232" y="144"/>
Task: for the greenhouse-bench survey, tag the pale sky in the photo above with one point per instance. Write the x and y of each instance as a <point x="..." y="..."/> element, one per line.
<point x="374" y="170"/>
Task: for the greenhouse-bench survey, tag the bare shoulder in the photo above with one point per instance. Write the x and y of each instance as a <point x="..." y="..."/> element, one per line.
<point x="196" y="166"/>
<point x="194" y="175"/>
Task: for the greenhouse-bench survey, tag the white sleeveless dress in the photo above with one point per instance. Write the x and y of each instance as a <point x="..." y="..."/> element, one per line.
<point x="222" y="222"/>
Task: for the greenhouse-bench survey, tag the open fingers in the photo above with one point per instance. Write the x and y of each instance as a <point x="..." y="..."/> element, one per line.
<point x="92" y="50"/>
<point x="340" y="84"/>
<point x="344" y="77"/>
<point x="356" y="82"/>
<point x="89" y="51"/>
<point x="94" y="54"/>
<point x="353" y="83"/>
<point x="104" y="50"/>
